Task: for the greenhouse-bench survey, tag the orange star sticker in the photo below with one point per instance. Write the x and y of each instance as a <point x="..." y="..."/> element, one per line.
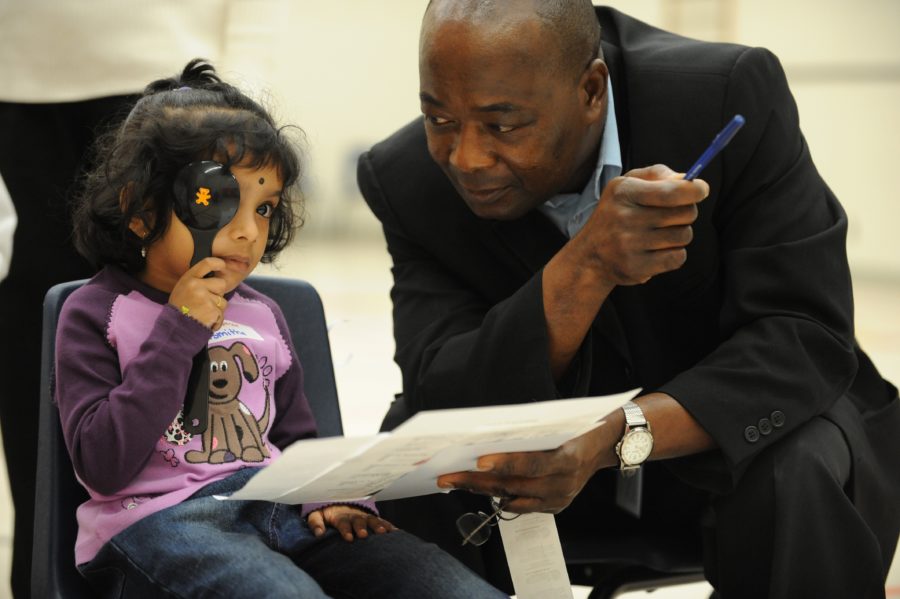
<point x="203" y="196"/>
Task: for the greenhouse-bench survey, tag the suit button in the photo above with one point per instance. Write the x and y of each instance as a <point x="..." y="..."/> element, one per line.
<point x="751" y="433"/>
<point x="777" y="418"/>
<point x="765" y="427"/>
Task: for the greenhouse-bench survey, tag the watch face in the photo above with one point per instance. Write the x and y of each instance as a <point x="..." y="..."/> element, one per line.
<point x="636" y="446"/>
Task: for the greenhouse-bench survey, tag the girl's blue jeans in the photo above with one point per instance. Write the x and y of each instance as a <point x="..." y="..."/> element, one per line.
<point x="205" y="547"/>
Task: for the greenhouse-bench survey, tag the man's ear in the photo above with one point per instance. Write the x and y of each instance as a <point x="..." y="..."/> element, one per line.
<point x="594" y="87"/>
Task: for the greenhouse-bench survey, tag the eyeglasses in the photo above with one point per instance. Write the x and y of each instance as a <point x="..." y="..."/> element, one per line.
<point x="475" y="528"/>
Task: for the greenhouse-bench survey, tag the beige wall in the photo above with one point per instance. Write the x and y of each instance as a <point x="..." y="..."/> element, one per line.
<point x="350" y="78"/>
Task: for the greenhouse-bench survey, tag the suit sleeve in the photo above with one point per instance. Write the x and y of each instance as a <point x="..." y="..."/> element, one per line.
<point x="786" y="352"/>
<point x="456" y="348"/>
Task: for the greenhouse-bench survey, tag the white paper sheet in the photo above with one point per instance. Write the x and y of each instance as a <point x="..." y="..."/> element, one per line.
<point x="534" y="554"/>
<point x="407" y="462"/>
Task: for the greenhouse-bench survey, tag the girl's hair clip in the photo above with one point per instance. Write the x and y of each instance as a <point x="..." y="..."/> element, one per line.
<point x="181" y="89"/>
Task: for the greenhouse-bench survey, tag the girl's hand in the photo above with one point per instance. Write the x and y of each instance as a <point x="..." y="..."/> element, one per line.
<point x="352" y="522"/>
<point x="201" y="298"/>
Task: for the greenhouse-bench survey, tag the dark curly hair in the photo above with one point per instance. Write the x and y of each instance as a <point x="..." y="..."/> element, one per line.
<point x="176" y="121"/>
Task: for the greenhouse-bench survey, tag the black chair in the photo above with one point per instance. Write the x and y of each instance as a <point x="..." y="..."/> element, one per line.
<point x="612" y="567"/>
<point x="58" y="494"/>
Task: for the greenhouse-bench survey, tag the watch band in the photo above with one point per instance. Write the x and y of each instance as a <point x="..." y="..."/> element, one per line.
<point x="634" y="420"/>
<point x="634" y="415"/>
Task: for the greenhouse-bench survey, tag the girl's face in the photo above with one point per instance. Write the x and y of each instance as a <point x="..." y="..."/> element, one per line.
<point x="241" y="243"/>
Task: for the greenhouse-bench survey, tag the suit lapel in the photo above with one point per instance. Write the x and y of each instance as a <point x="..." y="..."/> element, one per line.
<point x="532" y="240"/>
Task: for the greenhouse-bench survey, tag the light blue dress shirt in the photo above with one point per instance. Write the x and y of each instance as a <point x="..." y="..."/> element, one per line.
<point x="569" y="211"/>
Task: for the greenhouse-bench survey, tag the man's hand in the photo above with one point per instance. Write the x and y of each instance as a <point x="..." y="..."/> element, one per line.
<point x="540" y="481"/>
<point x="639" y="229"/>
<point x="641" y="226"/>
<point x="352" y="522"/>
<point x="548" y="481"/>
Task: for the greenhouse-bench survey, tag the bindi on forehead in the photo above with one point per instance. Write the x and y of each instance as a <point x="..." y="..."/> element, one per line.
<point x="262" y="180"/>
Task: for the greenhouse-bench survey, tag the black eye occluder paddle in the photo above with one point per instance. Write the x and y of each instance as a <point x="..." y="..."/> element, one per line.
<point x="207" y="197"/>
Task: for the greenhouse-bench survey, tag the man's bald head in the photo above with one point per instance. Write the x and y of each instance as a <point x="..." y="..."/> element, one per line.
<point x="513" y="99"/>
<point x="572" y="23"/>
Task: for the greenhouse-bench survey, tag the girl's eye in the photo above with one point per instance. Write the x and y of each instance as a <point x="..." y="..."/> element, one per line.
<point x="265" y="210"/>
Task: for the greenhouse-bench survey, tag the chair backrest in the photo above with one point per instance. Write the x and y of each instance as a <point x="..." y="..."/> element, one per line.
<point x="305" y="317"/>
<point x="58" y="493"/>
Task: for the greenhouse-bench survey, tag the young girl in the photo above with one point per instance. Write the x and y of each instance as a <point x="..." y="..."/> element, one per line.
<point x="125" y="346"/>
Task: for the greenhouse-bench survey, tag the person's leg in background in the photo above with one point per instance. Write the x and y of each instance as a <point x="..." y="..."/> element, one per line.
<point x="42" y="151"/>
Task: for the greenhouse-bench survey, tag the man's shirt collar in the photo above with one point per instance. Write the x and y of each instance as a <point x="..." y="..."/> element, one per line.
<point x="569" y="211"/>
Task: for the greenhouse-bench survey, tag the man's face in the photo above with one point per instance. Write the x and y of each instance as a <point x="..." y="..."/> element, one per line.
<point x="509" y="130"/>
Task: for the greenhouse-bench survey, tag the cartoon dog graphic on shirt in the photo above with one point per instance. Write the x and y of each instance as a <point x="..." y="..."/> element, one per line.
<point x="233" y="433"/>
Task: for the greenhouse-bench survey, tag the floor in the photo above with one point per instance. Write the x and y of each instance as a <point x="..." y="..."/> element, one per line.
<point x="352" y="276"/>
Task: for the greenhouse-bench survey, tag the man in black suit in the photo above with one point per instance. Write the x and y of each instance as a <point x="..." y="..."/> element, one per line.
<point x="538" y="255"/>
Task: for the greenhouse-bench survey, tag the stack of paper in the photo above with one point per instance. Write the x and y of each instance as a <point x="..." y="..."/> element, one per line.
<point x="408" y="461"/>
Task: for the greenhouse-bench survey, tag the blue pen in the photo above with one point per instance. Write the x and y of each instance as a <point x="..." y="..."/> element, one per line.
<point x="715" y="147"/>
